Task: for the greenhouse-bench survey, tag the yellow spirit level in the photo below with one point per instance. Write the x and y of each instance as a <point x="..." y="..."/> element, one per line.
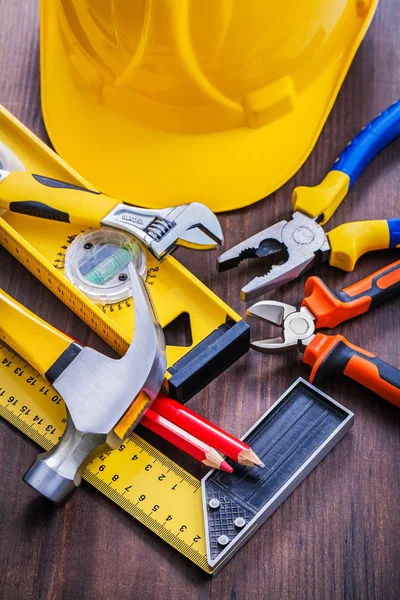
<point x="218" y="335"/>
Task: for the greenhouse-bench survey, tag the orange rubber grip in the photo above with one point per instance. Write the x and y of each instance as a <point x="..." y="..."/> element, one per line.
<point x="333" y="307"/>
<point x="333" y="355"/>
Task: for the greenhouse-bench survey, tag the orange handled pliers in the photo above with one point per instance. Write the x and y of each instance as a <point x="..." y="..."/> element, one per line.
<point x="333" y="355"/>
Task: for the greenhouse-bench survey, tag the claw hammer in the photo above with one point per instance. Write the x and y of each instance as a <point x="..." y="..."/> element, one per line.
<point x="104" y="397"/>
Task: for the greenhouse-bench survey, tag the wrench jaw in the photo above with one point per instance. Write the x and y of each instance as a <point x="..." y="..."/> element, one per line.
<point x="197" y="226"/>
<point x="192" y="225"/>
<point x="297" y="326"/>
<point x="105" y="398"/>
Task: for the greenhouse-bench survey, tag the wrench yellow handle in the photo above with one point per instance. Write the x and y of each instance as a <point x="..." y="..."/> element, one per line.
<point x="47" y="198"/>
<point x="40" y="344"/>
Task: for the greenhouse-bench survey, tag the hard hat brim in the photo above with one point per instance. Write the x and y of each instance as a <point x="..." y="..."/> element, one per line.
<point x="153" y="168"/>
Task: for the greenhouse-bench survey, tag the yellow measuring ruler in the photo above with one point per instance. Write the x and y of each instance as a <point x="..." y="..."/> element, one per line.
<point x="137" y="477"/>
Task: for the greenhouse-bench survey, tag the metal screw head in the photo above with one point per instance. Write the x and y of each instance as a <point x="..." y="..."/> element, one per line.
<point x="223" y="540"/>
<point x="240" y="522"/>
<point x="122" y="276"/>
<point x="88" y="246"/>
<point x="214" y="503"/>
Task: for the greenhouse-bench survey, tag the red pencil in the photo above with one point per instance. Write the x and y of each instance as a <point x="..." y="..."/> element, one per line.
<point x="204" y="430"/>
<point x="184" y="440"/>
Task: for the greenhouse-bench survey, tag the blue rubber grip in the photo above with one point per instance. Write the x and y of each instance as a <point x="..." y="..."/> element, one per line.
<point x="371" y="140"/>
<point x="394" y="231"/>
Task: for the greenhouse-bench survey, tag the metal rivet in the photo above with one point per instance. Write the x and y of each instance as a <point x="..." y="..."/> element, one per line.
<point x="223" y="540"/>
<point x="240" y="522"/>
<point x="88" y="246"/>
<point x="122" y="276"/>
<point x="214" y="503"/>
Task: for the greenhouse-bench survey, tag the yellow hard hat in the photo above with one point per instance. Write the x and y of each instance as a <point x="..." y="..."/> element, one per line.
<point x="163" y="102"/>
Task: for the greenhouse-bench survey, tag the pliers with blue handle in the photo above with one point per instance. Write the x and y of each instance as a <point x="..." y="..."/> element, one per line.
<point x="293" y="246"/>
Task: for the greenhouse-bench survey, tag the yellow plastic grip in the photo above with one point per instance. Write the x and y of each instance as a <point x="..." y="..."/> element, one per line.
<point x="323" y="199"/>
<point x="36" y="341"/>
<point x="351" y="240"/>
<point x="48" y="198"/>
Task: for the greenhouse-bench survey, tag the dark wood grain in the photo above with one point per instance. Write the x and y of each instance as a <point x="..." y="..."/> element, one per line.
<point x="338" y="535"/>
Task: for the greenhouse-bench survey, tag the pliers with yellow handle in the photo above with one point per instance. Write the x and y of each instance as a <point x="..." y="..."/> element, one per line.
<point x="293" y="246"/>
<point x="329" y="355"/>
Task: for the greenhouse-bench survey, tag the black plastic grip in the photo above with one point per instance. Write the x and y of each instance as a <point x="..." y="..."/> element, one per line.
<point x="38" y="209"/>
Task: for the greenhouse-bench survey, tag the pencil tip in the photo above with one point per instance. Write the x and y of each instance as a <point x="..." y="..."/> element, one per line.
<point x="225" y="467"/>
<point x="249" y="458"/>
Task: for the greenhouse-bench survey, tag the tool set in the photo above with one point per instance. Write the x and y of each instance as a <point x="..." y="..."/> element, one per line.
<point x="294" y="246"/>
<point x="110" y="262"/>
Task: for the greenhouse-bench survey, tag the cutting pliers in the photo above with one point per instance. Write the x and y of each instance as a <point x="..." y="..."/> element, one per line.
<point x="160" y="230"/>
<point x="293" y="246"/>
<point x="333" y="355"/>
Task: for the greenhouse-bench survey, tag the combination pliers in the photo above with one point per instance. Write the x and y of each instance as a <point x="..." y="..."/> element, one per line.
<point x="191" y="225"/>
<point x="334" y="355"/>
<point x="293" y="246"/>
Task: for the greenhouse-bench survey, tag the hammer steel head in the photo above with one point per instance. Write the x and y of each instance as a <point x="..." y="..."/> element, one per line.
<point x="98" y="392"/>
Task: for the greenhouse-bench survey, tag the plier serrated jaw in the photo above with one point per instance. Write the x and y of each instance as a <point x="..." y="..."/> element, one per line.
<point x="291" y="246"/>
<point x="264" y="243"/>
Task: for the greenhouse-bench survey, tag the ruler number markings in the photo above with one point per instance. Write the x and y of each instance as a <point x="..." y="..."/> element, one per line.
<point x="155" y="486"/>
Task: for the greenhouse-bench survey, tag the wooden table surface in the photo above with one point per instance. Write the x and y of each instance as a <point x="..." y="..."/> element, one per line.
<point x="338" y="534"/>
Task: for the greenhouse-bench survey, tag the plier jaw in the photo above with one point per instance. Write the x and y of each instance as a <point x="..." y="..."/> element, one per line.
<point x="292" y="247"/>
<point x="265" y="243"/>
<point x="297" y="326"/>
